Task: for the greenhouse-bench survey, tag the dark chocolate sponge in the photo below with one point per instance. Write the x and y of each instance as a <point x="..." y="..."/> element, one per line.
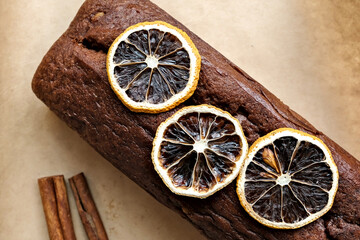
<point x="72" y="81"/>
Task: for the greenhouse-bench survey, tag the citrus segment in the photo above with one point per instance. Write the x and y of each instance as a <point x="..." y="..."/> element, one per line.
<point x="199" y="150"/>
<point x="288" y="179"/>
<point x="153" y="66"/>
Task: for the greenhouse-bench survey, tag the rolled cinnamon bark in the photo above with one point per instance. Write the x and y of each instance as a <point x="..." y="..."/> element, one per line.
<point x="56" y="208"/>
<point x="72" y="81"/>
<point x="88" y="212"/>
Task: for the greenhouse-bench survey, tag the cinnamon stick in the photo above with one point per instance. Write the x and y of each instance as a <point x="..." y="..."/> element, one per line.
<point x="56" y="208"/>
<point x="88" y="212"/>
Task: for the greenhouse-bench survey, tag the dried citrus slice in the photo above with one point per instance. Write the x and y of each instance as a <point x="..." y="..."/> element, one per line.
<point x="288" y="179"/>
<point x="199" y="150"/>
<point x="153" y="66"/>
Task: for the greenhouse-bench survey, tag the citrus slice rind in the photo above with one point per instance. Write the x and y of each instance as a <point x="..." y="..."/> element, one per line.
<point x="288" y="179"/>
<point x="153" y="66"/>
<point x="199" y="150"/>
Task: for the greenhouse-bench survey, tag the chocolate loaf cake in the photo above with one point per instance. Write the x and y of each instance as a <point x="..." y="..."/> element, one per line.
<point x="72" y="81"/>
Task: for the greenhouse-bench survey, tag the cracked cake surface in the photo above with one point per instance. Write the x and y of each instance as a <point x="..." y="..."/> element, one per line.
<point x="72" y="81"/>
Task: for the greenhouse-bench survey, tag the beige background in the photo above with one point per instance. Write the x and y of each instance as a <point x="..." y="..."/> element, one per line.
<point x="306" y="52"/>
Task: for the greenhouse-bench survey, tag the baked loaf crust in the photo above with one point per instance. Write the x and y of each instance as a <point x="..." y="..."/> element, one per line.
<point x="72" y="81"/>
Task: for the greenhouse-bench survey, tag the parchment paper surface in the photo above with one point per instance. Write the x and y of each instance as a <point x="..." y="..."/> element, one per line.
<point x="306" y="52"/>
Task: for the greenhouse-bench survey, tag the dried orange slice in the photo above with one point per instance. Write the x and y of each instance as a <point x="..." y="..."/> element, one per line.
<point x="153" y="66"/>
<point x="199" y="150"/>
<point x="288" y="179"/>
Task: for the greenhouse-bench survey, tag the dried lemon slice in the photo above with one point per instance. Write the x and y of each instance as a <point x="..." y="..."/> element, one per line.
<point x="288" y="179"/>
<point x="153" y="66"/>
<point x="199" y="150"/>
